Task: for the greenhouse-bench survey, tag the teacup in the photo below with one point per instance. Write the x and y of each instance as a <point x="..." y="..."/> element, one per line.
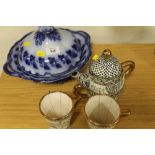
<point x="57" y="108"/>
<point x="103" y="111"/>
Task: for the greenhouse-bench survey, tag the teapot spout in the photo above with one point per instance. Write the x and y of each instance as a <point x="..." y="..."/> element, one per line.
<point x="82" y="78"/>
<point x="78" y="75"/>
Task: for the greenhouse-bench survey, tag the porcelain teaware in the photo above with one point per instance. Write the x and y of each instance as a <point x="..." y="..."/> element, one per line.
<point x="103" y="112"/>
<point x="105" y="76"/>
<point x="57" y="108"/>
<point x="49" y="54"/>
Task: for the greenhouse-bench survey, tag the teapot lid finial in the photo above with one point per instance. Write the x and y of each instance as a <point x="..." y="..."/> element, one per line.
<point x="106" y="53"/>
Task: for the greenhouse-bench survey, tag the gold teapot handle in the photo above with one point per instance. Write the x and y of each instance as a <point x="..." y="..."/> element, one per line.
<point x="77" y="91"/>
<point x="128" y="66"/>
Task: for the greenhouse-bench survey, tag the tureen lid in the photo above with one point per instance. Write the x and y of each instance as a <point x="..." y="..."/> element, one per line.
<point x="48" y="41"/>
<point x="106" y="67"/>
<point x="49" y="54"/>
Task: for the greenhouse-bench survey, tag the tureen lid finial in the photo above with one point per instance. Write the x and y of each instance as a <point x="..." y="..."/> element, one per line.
<point x="106" y="53"/>
<point x="46" y="29"/>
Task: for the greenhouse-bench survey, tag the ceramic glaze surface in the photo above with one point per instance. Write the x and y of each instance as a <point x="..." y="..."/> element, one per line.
<point x="102" y="111"/>
<point x="57" y="108"/>
<point x="88" y="81"/>
<point x="49" y="54"/>
<point x="106" y="69"/>
<point x="56" y="105"/>
<point x="105" y="75"/>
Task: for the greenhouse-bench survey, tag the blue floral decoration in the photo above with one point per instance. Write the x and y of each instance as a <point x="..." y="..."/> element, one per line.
<point x="39" y="38"/>
<point x="50" y="33"/>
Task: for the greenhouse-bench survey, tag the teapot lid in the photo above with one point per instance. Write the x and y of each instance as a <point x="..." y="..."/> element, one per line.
<point x="106" y="67"/>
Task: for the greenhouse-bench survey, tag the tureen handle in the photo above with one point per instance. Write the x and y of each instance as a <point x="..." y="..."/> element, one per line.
<point x="11" y="72"/>
<point x="128" y="66"/>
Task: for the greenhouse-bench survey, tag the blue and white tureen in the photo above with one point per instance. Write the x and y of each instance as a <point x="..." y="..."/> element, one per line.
<point x="48" y="54"/>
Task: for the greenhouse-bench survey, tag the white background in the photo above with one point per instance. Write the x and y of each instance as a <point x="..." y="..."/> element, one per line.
<point x="73" y="13"/>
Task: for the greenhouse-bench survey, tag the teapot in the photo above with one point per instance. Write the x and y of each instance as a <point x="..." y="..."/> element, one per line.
<point x="105" y="76"/>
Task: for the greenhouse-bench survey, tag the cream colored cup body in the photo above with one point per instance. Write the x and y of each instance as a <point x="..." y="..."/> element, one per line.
<point x="102" y="111"/>
<point x="57" y="108"/>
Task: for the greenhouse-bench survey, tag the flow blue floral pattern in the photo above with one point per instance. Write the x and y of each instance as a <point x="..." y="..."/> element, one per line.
<point x="52" y="34"/>
<point x="18" y="53"/>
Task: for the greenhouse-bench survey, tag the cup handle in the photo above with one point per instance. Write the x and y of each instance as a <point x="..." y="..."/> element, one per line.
<point x="128" y="66"/>
<point x="125" y="112"/>
<point x="77" y="91"/>
<point x="76" y="101"/>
